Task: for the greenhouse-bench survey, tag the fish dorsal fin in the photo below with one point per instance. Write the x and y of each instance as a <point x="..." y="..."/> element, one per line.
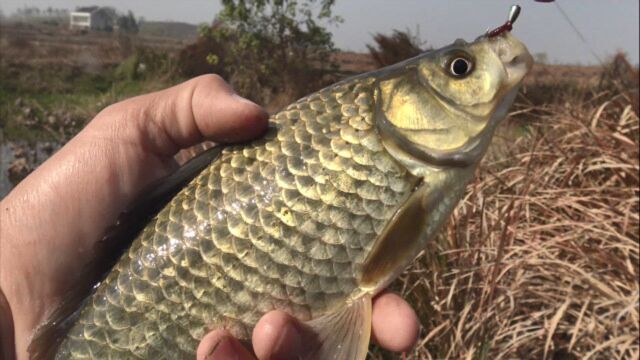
<point x="116" y="240"/>
<point x="343" y="334"/>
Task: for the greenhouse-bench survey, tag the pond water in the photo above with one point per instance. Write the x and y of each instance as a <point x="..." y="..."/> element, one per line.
<point x="35" y="154"/>
<point x="6" y="158"/>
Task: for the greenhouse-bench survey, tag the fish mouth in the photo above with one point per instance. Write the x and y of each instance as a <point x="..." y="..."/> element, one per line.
<point x="516" y="59"/>
<point x="518" y="67"/>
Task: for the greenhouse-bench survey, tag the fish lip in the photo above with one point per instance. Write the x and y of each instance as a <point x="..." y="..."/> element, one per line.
<point x="516" y="61"/>
<point x="518" y="67"/>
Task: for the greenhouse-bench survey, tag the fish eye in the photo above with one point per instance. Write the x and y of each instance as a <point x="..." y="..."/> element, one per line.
<point x="460" y="66"/>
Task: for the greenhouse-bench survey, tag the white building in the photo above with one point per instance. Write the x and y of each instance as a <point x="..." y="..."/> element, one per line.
<point x="91" y="18"/>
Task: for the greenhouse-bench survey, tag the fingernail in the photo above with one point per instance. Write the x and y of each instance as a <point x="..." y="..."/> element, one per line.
<point x="247" y="101"/>
<point x="223" y="350"/>
<point x="242" y="99"/>
<point x="289" y="344"/>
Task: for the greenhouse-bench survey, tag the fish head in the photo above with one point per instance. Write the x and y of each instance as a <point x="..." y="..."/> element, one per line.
<point x="441" y="107"/>
<point x="436" y="114"/>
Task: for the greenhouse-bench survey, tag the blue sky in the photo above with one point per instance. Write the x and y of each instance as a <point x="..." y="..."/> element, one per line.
<point x="608" y="26"/>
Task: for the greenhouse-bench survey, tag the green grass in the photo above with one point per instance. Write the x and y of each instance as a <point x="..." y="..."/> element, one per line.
<point x="63" y="92"/>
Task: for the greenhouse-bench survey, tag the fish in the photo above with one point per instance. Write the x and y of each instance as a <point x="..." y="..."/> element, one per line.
<point x="315" y="218"/>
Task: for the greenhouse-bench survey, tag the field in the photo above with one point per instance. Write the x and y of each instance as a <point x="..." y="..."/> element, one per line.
<point x="540" y="260"/>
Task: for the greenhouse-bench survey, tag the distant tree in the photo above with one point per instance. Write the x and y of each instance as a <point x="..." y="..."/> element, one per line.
<point x="127" y="23"/>
<point x="111" y="14"/>
<point x="541" y="58"/>
<point x="281" y="45"/>
<point x="398" y="46"/>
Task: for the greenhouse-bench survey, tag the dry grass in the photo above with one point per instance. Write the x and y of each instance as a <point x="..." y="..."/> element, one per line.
<point x="540" y="260"/>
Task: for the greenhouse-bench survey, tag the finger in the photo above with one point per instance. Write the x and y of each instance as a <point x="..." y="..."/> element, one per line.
<point x="278" y="336"/>
<point x="205" y="107"/>
<point x="394" y="323"/>
<point x="220" y="345"/>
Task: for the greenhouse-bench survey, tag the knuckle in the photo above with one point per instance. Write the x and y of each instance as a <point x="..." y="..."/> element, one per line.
<point x="113" y="111"/>
<point x="129" y="108"/>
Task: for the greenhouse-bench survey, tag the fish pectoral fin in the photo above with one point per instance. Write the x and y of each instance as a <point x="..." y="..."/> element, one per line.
<point x="343" y="334"/>
<point x="399" y="242"/>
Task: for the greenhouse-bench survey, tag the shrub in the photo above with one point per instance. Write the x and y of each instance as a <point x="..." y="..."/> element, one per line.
<point x="390" y="49"/>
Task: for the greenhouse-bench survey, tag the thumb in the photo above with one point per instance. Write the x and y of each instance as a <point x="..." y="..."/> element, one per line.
<point x="204" y="108"/>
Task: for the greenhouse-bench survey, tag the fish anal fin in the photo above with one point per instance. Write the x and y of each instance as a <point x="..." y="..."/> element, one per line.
<point x="343" y="334"/>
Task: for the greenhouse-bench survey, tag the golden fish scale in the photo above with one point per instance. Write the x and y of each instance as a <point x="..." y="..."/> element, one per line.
<point x="285" y="222"/>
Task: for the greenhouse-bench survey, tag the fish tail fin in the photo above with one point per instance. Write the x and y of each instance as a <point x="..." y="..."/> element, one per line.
<point x="343" y="334"/>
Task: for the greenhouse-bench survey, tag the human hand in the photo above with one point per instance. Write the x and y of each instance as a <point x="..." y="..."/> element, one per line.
<point x="50" y="222"/>
<point x="278" y="336"/>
